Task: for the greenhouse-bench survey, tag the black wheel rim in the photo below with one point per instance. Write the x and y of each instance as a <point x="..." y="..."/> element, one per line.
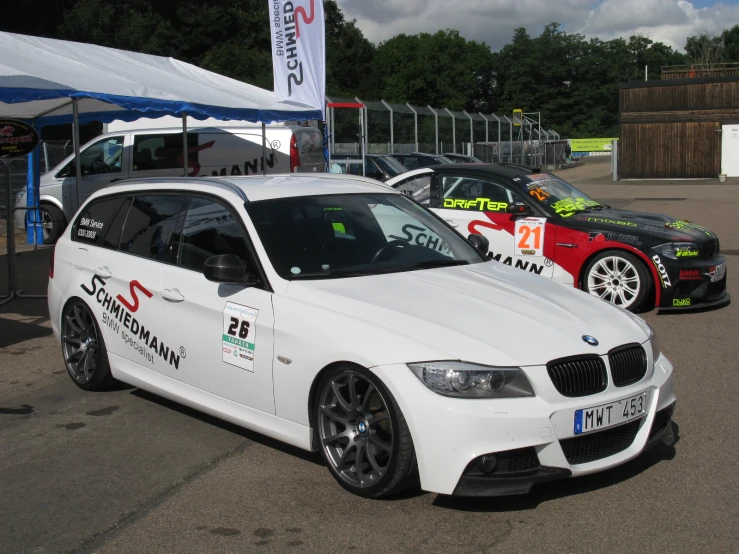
<point x="355" y="429"/>
<point x="80" y="342"/>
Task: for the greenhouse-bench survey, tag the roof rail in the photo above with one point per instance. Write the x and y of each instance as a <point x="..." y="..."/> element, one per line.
<point x="185" y="181"/>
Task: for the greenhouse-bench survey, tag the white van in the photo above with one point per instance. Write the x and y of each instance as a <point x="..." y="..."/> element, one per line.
<point x="157" y="152"/>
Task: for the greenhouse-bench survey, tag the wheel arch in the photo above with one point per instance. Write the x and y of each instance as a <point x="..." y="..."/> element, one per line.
<point x="624" y="248"/>
<point x="312" y="394"/>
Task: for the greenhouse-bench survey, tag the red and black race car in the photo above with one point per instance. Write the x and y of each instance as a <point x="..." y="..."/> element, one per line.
<point x="539" y="223"/>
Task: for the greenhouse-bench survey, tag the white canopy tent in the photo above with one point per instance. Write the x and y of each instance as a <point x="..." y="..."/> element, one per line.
<point x="49" y="82"/>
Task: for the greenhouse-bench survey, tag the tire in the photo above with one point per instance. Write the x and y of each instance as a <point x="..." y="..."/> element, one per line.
<point x="52" y="222"/>
<point x="618" y="277"/>
<point x="363" y="437"/>
<point x="83" y="348"/>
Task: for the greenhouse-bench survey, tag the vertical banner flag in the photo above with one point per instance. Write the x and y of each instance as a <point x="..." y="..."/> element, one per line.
<point x="299" y="52"/>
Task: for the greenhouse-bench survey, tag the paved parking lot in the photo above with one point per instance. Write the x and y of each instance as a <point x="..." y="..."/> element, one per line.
<point x="126" y="471"/>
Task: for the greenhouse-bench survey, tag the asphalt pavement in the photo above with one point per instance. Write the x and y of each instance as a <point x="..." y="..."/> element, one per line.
<point x="126" y="471"/>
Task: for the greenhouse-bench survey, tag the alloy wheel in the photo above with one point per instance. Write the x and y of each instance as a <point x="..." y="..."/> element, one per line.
<point x="80" y="342"/>
<point x="47" y="224"/>
<point x="355" y="429"/>
<point x="615" y="280"/>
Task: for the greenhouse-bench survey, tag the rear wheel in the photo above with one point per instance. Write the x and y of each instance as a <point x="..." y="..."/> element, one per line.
<point x="83" y="348"/>
<point x="52" y="223"/>
<point x="619" y="278"/>
<point x="363" y="436"/>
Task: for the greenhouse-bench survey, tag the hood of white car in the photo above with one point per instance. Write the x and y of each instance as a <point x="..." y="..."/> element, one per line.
<point x="486" y="313"/>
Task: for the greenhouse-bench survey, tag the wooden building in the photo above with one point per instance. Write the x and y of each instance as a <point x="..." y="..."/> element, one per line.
<point x="677" y="128"/>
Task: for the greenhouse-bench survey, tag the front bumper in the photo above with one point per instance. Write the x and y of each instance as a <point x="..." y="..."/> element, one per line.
<point x="450" y="434"/>
<point x="695" y="284"/>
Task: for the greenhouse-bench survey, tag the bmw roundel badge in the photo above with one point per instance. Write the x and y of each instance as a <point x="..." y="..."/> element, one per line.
<point x="592" y="341"/>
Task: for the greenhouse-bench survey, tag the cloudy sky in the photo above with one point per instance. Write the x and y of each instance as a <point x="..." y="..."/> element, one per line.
<point x="493" y="21"/>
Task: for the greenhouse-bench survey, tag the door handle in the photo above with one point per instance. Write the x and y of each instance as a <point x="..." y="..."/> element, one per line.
<point x="172" y="295"/>
<point x="452" y="223"/>
<point x="103" y="272"/>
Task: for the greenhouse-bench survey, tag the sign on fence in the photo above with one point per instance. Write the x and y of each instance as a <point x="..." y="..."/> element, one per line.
<point x="16" y="138"/>
<point x="591" y="145"/>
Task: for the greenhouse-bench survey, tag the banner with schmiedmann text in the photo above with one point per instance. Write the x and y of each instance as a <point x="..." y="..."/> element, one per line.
<point x="299" y="52"/>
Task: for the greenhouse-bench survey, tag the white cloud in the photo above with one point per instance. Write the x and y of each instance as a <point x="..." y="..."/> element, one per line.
<point x="493" y="21"/>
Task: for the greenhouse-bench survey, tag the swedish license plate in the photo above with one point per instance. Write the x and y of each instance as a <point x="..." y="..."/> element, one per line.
<point x="608" y="415"/>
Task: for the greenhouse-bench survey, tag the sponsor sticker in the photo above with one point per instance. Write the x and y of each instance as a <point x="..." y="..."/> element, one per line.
<point x="239" y="335"/>
<point x="690" y="275"/>
<point x="680" y="302"/>
<point x="717" y="272"/>
<point x="664" y="277"/>
<point x="529" y="236"/>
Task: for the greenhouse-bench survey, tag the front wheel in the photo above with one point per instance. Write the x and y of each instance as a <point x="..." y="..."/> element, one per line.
<point x="619" y="278"/>
<point x="363" y="436"/>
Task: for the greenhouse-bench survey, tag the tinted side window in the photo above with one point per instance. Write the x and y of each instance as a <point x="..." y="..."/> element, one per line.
<point x="149" y="226"/>
<point x="211" y="229"/>
<point x="418" y="188"/>
<point x="162" y="151"/>
<point x="411" y="162"/>
<point x="112" y="237"/>
<point x="94" y="220"/>
<point x="468" y="193"/>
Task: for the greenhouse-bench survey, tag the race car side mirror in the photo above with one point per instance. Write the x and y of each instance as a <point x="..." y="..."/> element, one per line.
<point x="518" y="208"/>
<point x="228" y="269"/>
<point x="481" y="244"/>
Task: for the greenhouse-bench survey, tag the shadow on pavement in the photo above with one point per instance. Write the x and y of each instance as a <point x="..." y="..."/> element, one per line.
<point x="313" y="457"/>
<point x="565" y="487"/>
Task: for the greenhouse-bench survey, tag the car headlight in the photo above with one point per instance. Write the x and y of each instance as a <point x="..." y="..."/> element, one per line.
<point x="654" y="343"/>
<point x="467" y="380"/>
<point x="678" y="250"/>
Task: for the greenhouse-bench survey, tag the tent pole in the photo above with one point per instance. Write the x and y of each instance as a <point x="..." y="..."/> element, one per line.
<point x="76" y="137"/>
<point x="185" y="157"/>
<point x="11" y="238"/>
<point x="264" y="148"/>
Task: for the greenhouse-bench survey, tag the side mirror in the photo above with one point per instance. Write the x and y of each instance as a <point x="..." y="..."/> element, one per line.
<point x="227" y="269"/>
<point x="518" y="208"/>
<point x="481" y="244"/>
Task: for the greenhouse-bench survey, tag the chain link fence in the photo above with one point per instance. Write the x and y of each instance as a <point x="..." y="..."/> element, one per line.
<point x="51" y="153"/>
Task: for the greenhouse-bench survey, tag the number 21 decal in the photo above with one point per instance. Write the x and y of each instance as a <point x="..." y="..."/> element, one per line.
<point x="529" y="236"/>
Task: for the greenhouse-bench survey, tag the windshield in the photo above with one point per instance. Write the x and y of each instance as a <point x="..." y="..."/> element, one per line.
<point x="350" y="235"/>
<point x="443" y="160"/>
<point x="556" y="195"/>
<point x="391" y="166"/>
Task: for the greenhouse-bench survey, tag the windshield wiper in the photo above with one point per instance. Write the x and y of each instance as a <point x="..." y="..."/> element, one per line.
<point x="331" y="273"/>
<point x="428" y="264"/>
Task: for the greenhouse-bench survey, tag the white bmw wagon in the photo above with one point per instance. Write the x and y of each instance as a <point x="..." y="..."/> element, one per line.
<point x="339" y="316"/>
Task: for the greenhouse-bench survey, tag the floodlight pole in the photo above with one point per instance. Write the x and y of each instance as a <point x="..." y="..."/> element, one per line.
<point x="392" y="133"/>
<point x="454" y="131"/>
<point x="76" y="138"/>
<point x="362" y="131"/>
<point x="185" y="157"/>
<point x="415" y="123"/>
<point x="436" y="127"/>
<point x="500" y="155"/>
<point x="472" y="134"/>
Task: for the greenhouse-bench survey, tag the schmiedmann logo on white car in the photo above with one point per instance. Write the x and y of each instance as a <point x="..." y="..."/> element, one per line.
<point x="119" y="310"/>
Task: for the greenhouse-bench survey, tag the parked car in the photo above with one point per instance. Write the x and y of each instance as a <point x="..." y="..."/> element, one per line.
<point x="159" y="153"/>
<point x="541" y="224"/>
<point x="377" y="166"/>
<point x="337" y="315"/>
<point x="416" y="160"/>
<point x="462" y="159"/>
